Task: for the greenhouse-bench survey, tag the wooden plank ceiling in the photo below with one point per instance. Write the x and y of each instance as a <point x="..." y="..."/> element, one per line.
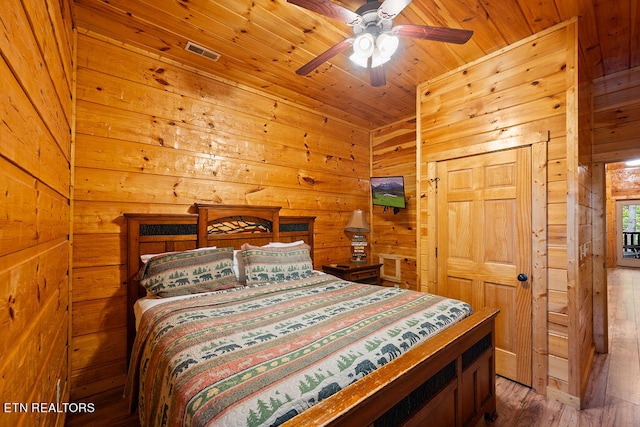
<point x="263" y="42"/>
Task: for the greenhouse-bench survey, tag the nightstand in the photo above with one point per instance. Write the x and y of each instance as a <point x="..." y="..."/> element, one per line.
<point x="353" y="272"/>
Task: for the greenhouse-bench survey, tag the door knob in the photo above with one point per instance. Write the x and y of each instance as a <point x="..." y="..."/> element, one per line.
<point x="522" y="277"/>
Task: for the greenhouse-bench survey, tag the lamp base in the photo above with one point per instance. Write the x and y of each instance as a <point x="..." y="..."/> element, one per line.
<point x="359" y="249"/>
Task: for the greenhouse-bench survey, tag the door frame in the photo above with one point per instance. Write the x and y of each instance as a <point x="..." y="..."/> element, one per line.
<point x="539" y="259"/>
<point x="621" y="261"/>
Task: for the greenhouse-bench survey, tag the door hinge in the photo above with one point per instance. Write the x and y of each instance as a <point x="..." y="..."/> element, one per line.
<point x="436" y="252"/>
<point x="436" y="179"/>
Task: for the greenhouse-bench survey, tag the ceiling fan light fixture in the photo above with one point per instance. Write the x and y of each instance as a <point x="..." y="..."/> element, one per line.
<point x="377" y="59"/>
<point x="364" y="45"/>
<point x="387" y="44"/>
<point x="375" y="38"/>
<point x="359" y="60"/>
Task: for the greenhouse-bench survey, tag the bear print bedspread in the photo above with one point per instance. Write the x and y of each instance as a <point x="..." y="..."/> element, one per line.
<point x="259" y="355"/>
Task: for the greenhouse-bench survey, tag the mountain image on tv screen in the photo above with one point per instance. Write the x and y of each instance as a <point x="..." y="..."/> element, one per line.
<point x="388" y="191"/>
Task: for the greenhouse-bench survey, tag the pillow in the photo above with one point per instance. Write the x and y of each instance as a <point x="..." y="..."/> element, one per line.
<point x="238" y="263"/>
<point x="146" y="257"/>
<point x="283" y="245"/>
<point x="189" y="272"/>
<point x="238" y="266"/>
<point x="269" y="264"/>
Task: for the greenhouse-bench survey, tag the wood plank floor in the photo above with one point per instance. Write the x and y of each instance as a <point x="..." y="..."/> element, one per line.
<point x="613" y="395"/>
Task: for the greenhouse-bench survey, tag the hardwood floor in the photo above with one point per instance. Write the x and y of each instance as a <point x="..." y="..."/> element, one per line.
<point x="111" y="411"/>
<point x="612" y="399"/>
<point x="613" y="394"/>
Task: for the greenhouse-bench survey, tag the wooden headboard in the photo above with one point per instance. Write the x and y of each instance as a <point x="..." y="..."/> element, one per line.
<point x="212" y="225"/>
<point x="232" y="225"/>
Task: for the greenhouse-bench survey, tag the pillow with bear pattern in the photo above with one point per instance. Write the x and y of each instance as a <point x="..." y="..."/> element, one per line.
<point x="269" y="264"/>
<point x="189" y="272"/>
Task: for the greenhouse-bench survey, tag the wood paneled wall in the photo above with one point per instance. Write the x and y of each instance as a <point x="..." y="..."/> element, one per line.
<point x="394" y="235"/>
<point x="616" y="122"/>
<point x="580" y="227"/>
<point x="616" y="126"/>
<point x="155" y="136"/>
<point x="513" y="98"/>
<point x="36" y="93"/>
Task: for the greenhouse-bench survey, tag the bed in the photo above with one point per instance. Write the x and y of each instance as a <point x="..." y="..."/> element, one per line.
<point x="350" y="357"/>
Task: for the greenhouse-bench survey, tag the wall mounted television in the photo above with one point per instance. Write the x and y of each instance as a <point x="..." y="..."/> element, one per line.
<point x="388" y="191"/>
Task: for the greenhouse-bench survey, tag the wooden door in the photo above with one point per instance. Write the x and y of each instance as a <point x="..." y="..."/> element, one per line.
<point x="484" y="246"/>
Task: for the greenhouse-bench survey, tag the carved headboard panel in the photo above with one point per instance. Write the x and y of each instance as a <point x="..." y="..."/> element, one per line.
<point x="233" y="225"/>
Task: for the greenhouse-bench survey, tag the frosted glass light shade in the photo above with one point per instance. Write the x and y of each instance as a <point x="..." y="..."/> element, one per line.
<point x="379" y="49"/>
<point x="377" y="59"/>
<point x="387" y="44"/>
<point x="359" y="60"/>
<point x="364" y="45"/>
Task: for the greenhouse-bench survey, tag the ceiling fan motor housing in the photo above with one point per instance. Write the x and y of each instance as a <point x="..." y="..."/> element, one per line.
<point x="371" y="22"/>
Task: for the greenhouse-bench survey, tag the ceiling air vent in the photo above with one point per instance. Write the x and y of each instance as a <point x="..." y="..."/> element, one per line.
<point x="202" y="51"/>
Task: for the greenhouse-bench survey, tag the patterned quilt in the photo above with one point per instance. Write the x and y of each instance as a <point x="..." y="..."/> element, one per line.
<point x="259" y="355"/>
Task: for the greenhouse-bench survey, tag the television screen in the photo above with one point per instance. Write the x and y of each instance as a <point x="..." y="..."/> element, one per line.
<point x="388" y="191"/>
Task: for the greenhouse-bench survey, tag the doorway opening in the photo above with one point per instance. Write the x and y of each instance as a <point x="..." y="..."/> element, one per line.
<point x="628" y="233"/>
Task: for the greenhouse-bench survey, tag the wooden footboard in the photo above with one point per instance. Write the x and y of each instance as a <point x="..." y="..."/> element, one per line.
<point x="449" y="380"/>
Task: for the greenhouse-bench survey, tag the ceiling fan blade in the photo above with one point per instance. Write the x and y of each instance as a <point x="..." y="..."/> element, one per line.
<point x="377" y="76"/>
<point x="391" y="8"/>
<point x="329" y="9"/>
<point x="440" y="34"/>
<point x="324" y="57"/>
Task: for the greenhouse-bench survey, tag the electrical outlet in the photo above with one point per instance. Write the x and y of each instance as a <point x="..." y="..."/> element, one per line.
<point x="58" y="392"/>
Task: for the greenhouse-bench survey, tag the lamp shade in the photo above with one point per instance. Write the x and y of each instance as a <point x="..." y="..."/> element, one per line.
<point x="358" y="222"/>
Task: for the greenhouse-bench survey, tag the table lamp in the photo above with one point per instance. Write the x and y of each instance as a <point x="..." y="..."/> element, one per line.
<point x="358" y="225"/>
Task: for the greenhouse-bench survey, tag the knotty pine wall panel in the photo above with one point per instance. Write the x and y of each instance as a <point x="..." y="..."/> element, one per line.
<point x="154" y="136"/>
<point x="36" y="106"/>
<point x="615" y="139"/>
<point x="616" y="121"/>
<point x="581" y="343"/>
<point x="616" y="126"/>
<point x="394" y="235"/>
<point x="505" y="100"/>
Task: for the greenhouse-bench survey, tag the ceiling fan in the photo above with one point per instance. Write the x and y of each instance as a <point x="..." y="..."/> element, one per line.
<point x="375" y="38"/>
